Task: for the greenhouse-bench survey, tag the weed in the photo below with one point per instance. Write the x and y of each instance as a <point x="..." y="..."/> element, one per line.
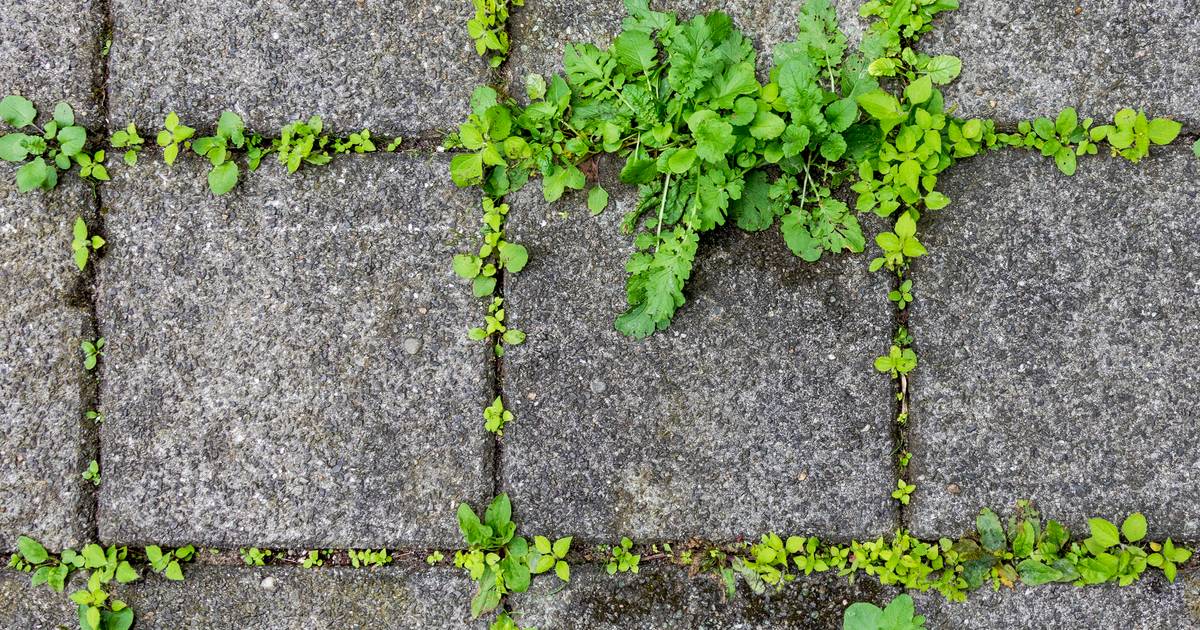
<point x="368" y="558"/>
<point x="622" y="559"/>
<point x="495" y="416"/>
<point x="92" y="473"/>
<point x="83" y="245"/>
<point x="253" y="556"/>
<point x="899" y="614"/>
<point x="92" y="351"/>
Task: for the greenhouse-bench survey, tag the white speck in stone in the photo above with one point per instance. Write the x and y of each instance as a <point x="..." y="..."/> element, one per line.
<point x="268" y="583"/>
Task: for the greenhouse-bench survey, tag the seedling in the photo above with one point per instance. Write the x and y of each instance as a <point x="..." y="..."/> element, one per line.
<point x="900" y="614"/>
<point x="44" y="150"/>
<point x="129" y="140"/>
<point x="902" y="296"/>
<point x="92" y="473"/>
<point x="173" y="136"/>
<point x="495" y="416"/>
<point x="255" y="557"/>
<point x="897" y="361"/>
<point x="494" y="326"/>
<point x="552" y="556"/>
<point x="368" y="558"/>
<point x="92" y="351"/>
<point x="434" y="558"/>
<point x="83" y="245"/>
<point x="622" y="559"/>
<point x="168" y="563"/>
<point x="903" y="491"/>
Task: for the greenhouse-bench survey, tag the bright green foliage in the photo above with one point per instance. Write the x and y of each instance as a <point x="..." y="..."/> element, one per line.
<point x="904" y="459"/>
<point x="903" y="491"/>
<point x="495" y="416"/>
<point x="434" y="557"/>
<point x="1066" y="137"/>
<point x="622" y="559"/>
<point x="253" y="556"/>
<point x="314" y="558"/>
<point x="98" y="610"/>
<point x="597" y="200"/>
<point x="394" y="145"/>
<point x="494" y="254"/>
<point x="488" y="28"/>
<point x="497" y="559"/>
<point x="92" y="351"/>
<point x="504" y="622"/>
<point x="168" y="562"/>
<point x="91" y="166"/>
<point x="230" y="135"/>
<point x="548" y="556"/>
<point x="900" y="246"/>
<point x="82" y="245"/>
<point x="1167" y="556"/>
<point x="47" y="150"/>
<point x="1196" y="148"/>
<point x="368" y="558"/>
<point x="173" y="136"/>
<point x="900" y="23"/>
<point x="902" y="295"/>
<point x="900" y="614"/>
<point x="494" y="326"/>
<point x="92" y="473"/>
<point x="301" y="142"/>
<point x="897" y="361"/>
<point x="94" y="416"/>
<point x="129" y="140"/>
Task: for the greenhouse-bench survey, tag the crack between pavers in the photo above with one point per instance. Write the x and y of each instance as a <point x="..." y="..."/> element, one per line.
<point x="902" y="396"/>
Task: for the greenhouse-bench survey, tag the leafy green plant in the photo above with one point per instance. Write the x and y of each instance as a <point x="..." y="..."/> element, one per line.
<point x="314" y="558"/>
<point x="1196" y="148"/>
<point x="488" y="28"/>
<point x="897" y="361"/>
<point x="495" y="328"/>
<point x="46" y="150"/>
<point x="92" y="166"/>
<point x="253" y="556"/>
<point x="495" y="558"/>
<point x="230" y="135"/>
<point x="129" y="140"/>
<point x="82" y="244"/>
<point x="903" y="491"/>
<point x="92" y="473"/>
<point x="168" y="563"/>
<point x="504" y="622"/>
<point x="622" y="559"/>
<point x="494" y="254"/>
<point x="368" y="558"/>
<point x="173" y="136"/>
<point x="1131" y="134"/>
<point x="900" y="614"/>
<point x="303" y="142"/>
<point x="902" y="295"/>
<point x="1167" y="556"/>
<point x="434" y="558"/>
<point x="551" y="556"/>
<point x="98" y="610"/>
<point x="899" y="246"/>
<point x="495" y="416"/>
<point x="92" y="351"/>
<point x="1066" y="137"/>
<point x="94" y="416"/>
<point x="905" y="458"/>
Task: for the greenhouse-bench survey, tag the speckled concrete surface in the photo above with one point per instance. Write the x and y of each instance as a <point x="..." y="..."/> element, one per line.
<point x="257" y="386"/>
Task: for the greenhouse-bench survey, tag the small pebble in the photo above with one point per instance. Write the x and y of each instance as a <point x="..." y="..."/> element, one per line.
<point x="412" y="345"/>
<point x="530" y="396"/>
<point x="598" y="387"/>
<point x="268" y="583"/>
<point x="953" y="488"/>
<point x="803" y="475"/>
<point x="422" y="310"/>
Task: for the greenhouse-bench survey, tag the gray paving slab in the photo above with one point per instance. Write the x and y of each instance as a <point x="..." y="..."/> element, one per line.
<point x="406" y="67"/>
<point x="33" y="608"/>
<point x="1150" y="604"/>
<point x="664" y="596"/>
<point x="1033" y="58"/>
<point x="757" y="410"/>
<point x="541" y="28"/>
<point x="1056" y="326"/>
<point x="42" y="378"/>
<point x="294" y="598"/>
<point x="50" y="52"/>
<point x="261" y="387"/>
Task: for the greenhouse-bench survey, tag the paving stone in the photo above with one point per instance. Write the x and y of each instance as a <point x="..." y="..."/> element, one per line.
<point x="1033" y="58"/>
<point x="294" y="598"/>
<point x="1056" y="325"/>
<point x="405" y="67"/>
<point x="41" y="370"/>
<point x="757" y="410"/>
<point x="541" y="28"/>
<point x="50" y="52"/>
<point x="666" y="597"/>
<point x="1150" y="604"/>
<point x="257" y="388"/>
<point x="33" y="608"/>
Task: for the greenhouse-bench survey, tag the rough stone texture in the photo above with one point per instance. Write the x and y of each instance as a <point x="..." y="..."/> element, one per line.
<point x="1150" y="604"/>
<point x="293" y="598"/>
<point x="757" y="410"/>
<point x="1026" y="59"/>
<point x="257" y="387"/>
<point x="50" y="52"/>
<point x="1056" y="325"/>
<point x="541" y="28"/>
<point x="33" y="608"/>
<point x="41" y="368"/>
<point x="666" y="597"/>
<point x="394" y="67"/>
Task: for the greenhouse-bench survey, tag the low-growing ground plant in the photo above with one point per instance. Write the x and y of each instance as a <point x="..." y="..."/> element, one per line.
<point x="92" y="473"/>
<point x="43" y="150"/>
<point x="83" y="244"/>
<point x="899" y="614"/>
<point x="255" y="557"/>
<point x="622" y="559"/>
<point x="92" y="351"/>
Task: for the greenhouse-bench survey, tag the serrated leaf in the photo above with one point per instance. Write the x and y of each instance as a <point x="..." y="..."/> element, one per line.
<point x="466" y="266"/>
<point x="943" y="69"/>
